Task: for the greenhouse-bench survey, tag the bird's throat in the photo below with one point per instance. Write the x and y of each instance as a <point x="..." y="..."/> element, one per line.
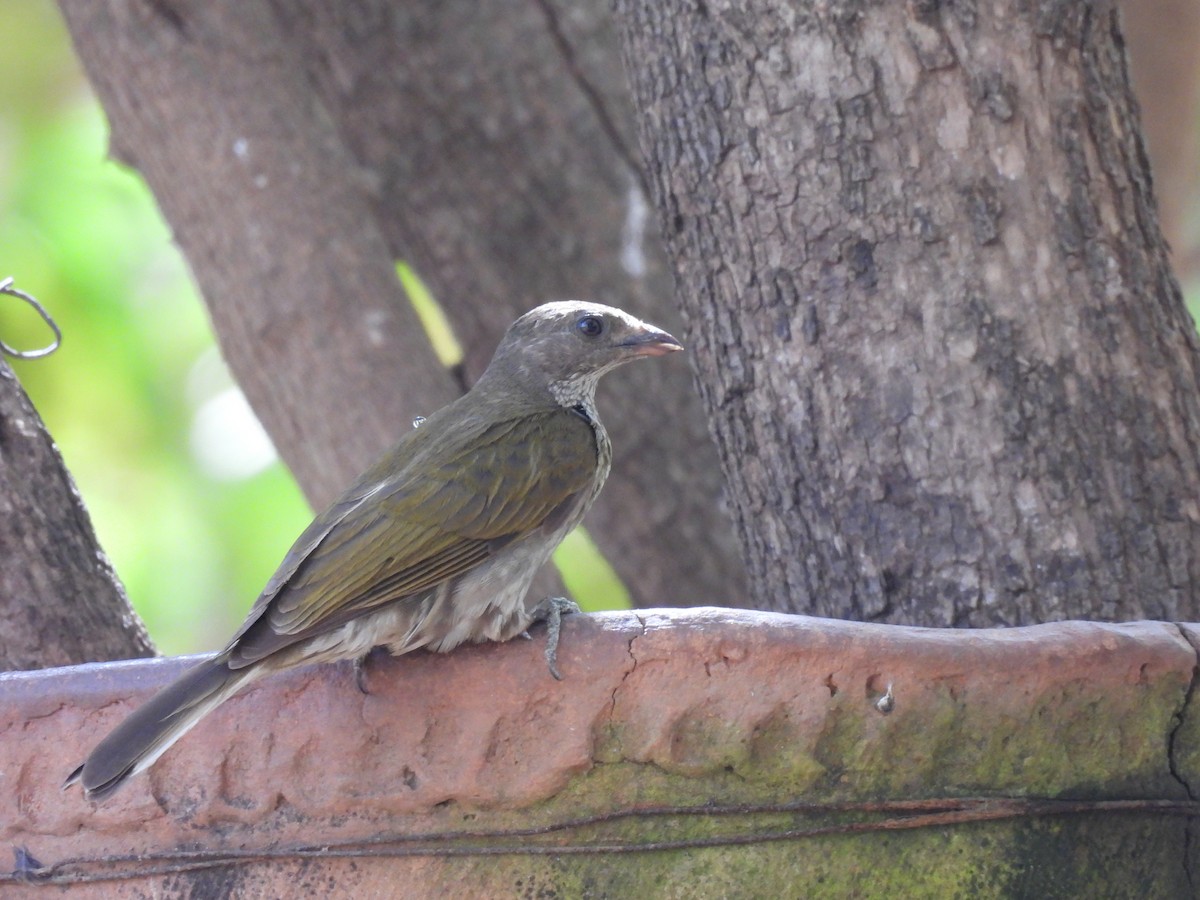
<point x="578" y="394"/>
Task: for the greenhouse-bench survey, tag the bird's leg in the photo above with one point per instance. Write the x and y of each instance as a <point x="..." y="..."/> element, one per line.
<point x="551" y="610"/>
<point x="360" y="668"/>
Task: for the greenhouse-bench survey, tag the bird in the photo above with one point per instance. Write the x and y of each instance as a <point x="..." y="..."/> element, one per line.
<point x="437" y="543"/>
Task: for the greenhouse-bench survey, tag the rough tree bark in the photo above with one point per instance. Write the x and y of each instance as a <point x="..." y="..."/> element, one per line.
<point x="952" y="378"/>
<point x="60" y="601"/>
<point x="321" y="141"/>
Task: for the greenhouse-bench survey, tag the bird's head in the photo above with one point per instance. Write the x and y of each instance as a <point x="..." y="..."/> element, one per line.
<point x="565" y="347"/>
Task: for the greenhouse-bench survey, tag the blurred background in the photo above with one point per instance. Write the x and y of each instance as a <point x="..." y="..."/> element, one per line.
<point x="183" y="486"/>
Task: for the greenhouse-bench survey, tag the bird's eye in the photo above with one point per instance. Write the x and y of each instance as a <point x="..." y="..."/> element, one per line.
<point x="590" y="326"/>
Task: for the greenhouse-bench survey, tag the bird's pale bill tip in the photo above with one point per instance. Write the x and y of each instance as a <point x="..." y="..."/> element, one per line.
<point x="653" y="343"/>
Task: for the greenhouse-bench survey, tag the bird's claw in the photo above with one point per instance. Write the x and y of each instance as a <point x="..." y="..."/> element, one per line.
<point x="360" y="670"/>
<point x="360" y="674"/>
<point x="551" y="610"/>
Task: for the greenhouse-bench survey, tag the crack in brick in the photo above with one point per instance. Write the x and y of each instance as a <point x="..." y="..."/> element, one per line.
<point x="1172" y="750"/>
<point x="612" y="709"/>
<point x="38" y="716"/>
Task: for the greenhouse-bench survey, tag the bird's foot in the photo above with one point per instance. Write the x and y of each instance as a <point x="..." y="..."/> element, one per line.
<point x="551" y="610"/>
<point x="360" y="669"/>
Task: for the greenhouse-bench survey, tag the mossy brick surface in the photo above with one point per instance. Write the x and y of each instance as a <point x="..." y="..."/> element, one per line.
<point x="659" y="708"/>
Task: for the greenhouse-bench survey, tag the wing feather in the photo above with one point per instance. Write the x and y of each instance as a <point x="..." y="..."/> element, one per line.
<point x="436" y="507"/>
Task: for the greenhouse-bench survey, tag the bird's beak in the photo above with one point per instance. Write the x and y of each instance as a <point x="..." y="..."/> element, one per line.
<point x="651" y="342"/>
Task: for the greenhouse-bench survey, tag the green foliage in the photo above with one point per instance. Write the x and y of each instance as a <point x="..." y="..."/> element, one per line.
<point x="449" y="351"/>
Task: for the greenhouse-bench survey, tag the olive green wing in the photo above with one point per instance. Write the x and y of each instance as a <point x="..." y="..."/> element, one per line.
<point x="446" y="509"/>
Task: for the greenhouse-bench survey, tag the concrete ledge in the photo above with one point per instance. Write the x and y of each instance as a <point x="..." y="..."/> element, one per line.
<point x="661" y="707"/>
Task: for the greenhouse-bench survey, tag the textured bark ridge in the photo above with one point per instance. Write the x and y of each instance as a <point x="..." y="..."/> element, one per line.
<point x="297" y="149"/>
<point x="950" y="373"/>
<point x="60" y="601"/>
<point x="475" y="774"/>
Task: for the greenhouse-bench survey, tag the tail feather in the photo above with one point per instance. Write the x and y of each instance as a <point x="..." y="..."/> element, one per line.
<point x="152" y="728"/>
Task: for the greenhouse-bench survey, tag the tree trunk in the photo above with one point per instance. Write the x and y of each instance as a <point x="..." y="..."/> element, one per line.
<point x="951" y="376"/>
<point x="60" y="601"/>
<point x="322" y="141"/>
<point x="211" y="105"/>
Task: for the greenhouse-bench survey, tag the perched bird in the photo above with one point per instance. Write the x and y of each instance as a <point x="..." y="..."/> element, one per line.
<point x="434" y="545"/>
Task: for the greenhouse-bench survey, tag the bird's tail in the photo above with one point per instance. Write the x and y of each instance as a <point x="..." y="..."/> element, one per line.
<point x="157" y="724"/>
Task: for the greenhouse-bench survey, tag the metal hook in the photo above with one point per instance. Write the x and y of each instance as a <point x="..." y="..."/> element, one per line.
<point x="7" y="288"/>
